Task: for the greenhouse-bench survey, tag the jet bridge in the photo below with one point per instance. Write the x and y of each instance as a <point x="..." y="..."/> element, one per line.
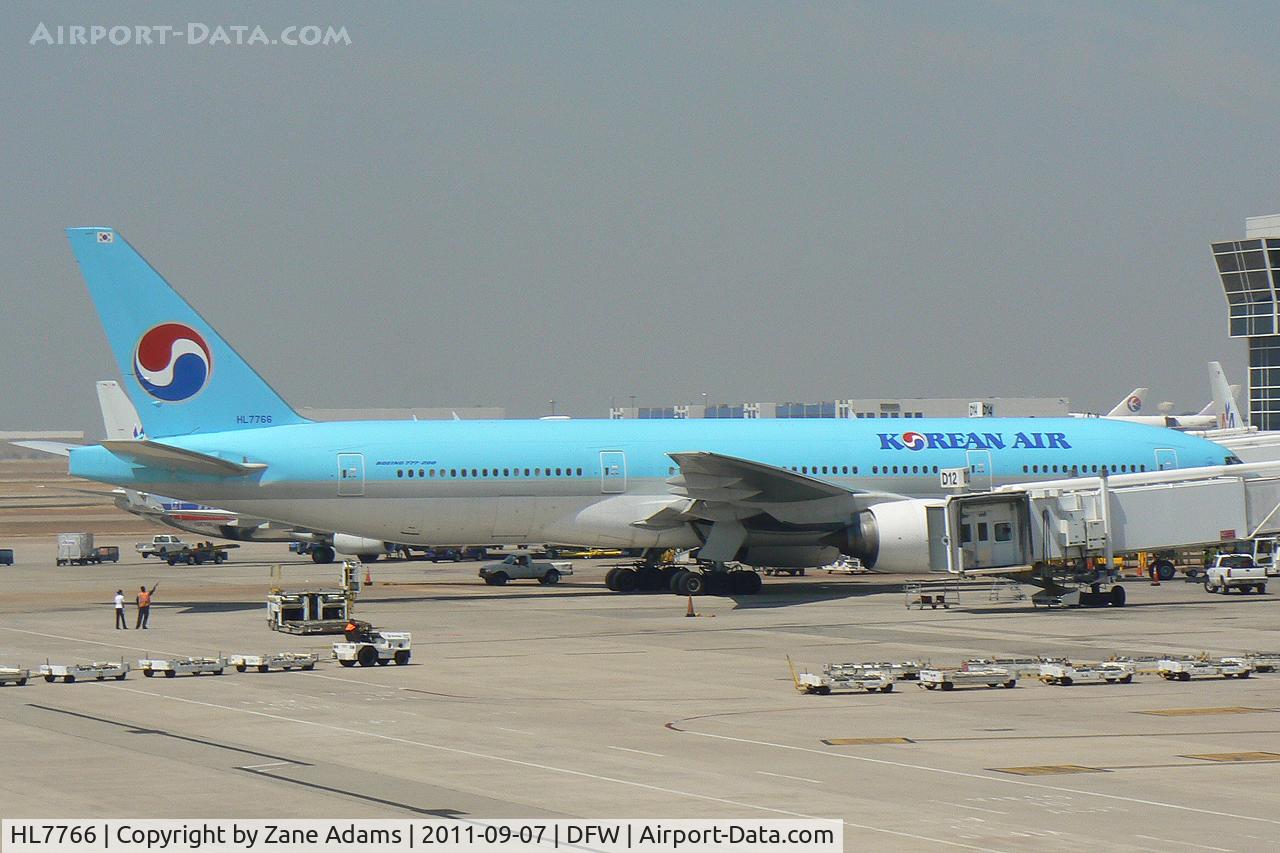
<point x="1052" y="528"/>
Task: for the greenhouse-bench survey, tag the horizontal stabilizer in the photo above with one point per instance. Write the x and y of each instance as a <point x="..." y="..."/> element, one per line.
<point x="155" y="455"/>
<point x="57" y="448"/>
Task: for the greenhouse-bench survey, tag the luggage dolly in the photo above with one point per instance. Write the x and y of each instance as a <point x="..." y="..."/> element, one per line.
<point x="1259" y="661"/>
<point x="275" y="660"/>
<point x="1065" y="673"/>
<point x="14" y="675"/>
<point x="843" y="676"/>
<point x="96" y="671"/>
<point x="949" y="679"/>
<point x="1185" y="670"/>
<point x="172" y="667"/>
<point x="1020" y="667"/>
<point x="381" y="648"/>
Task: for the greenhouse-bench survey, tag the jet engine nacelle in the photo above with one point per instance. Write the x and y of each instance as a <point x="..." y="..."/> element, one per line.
<point x="891" y="537"/>
<point x="345" y="543"/>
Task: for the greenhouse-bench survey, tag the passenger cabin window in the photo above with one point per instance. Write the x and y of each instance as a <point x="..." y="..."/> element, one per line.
<point x="399" y="472"/>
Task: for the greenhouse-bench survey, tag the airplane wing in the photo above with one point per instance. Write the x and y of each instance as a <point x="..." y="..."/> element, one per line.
<point x="735" y="494"/>
<point x="155" y="454"/>
<point x="57" y="448"/>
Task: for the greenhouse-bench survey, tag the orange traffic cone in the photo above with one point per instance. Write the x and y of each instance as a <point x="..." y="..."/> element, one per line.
<point x="368" y="578"/>
<point x="689" y="610"/>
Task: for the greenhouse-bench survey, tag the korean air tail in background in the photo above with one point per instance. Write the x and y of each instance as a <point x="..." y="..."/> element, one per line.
<point x="182" y="376"/>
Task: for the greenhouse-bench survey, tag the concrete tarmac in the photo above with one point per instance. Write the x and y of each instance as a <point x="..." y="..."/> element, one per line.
<point x="571" y="701"/>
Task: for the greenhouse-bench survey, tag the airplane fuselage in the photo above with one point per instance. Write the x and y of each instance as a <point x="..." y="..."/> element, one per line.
<point x="586" y="482"/>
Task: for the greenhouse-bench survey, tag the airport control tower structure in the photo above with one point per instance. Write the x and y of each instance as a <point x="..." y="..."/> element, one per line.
<point x="1250" y="272"/>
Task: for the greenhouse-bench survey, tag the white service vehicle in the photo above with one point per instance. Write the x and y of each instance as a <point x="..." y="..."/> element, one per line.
<point x="380" y="647"/>
<point x="1065" y="673"/>
<point x="1172" y="669"/>
<point x="949" y="679"/>
<point x="845" y="566"/>
<point x="73" y="672"/>
<point x="14" y="675"/>
<point x="274" y="660"/>
<point x="525" y="567"/>
<point x="159" y="545"/>
<point x="172" y="667"/>
<point x="1235" y="571"/>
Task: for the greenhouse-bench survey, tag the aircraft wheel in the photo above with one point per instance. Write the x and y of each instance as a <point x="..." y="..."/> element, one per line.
<point x="627" y="580"/>
<point x="718" y="583"/>
<point x="752" y="583"/>
<point x="1117" y="596"/>
<point x="692" y="583"/>
<point x="675" y="579"/>
<point x="322" y="554"/>
<point x="650" y="579"/>
<point x="610" y="579"/>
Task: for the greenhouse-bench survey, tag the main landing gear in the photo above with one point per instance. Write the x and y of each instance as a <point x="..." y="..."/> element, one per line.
<point x="681" y="581"/>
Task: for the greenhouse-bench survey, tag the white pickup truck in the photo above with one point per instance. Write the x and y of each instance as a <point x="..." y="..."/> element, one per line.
<point x="1235" y="571"/>
<point x="159" y="545"/>
<point x="524" y="567"/>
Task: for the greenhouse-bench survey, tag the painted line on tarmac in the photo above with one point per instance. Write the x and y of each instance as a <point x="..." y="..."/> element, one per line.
<point x="582" y="774"/>
<point x="91" y="642"/>
<point x="968" y="775"/>
<point x="1183" y="843"/>
<point x="640" y="751"/>
<point x="785" y="776"/>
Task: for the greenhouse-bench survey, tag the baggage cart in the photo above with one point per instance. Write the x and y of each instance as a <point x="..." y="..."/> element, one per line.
<point x="1185" y="670"/>
<point x="73" y="672"/>
<point x="905" y="670"/>
<point x="171" y="667"/>
<point x="869" y="680"/>
<point x="949" y="679"/>
<point x="1020" y="667"/>
<point x="14" y="675"/>
<point x="274" y="660"/>
<point x="1065" y="673"/>
<point x="1260" y="661"/>
<point x="381" y="648"/>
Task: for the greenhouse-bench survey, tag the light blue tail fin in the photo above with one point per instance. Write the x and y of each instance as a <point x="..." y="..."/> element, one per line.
<point x="182" y="376"/>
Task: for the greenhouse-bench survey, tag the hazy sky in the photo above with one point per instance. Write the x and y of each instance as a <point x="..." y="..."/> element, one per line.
<point x="502" y="204"/>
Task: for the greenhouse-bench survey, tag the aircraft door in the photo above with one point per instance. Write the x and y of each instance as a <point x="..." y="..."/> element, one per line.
<point x="988" y="537"/>
<point x="613" y="472"/>
<point x="1166" y="459"/>
<point x="350" y="474"/>
<point x="979" y="462"/>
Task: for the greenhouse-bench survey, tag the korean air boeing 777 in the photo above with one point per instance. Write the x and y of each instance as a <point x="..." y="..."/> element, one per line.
<point x="762" y="492"/>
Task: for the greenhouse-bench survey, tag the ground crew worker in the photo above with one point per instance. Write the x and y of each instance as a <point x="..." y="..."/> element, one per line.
<point x="357" y="632"/>
<point x="121" y="622"/>
<point x="144" y="607"/>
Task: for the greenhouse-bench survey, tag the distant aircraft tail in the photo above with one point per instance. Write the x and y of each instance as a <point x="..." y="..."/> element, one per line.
<point x="119" y="417"/>
<point x="181" y="375"/>
<point x="1224" y="402"/>
<point x="1130" y="405"/>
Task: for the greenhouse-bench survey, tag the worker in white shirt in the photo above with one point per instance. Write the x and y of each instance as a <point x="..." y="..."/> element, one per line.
<point x="120" y="620"/>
